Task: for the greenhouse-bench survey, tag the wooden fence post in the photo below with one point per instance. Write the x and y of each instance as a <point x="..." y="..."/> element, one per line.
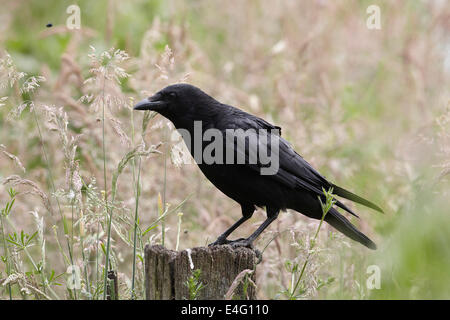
<point x="167" y="271"/>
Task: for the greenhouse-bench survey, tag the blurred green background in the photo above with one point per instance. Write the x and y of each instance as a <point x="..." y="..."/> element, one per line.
<point x="368" y="108"/>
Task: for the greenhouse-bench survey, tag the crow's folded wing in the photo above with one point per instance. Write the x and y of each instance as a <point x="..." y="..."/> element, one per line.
<point x="292" y="170"/>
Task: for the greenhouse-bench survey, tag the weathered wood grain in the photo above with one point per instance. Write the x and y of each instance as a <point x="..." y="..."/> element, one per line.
<point x="166" y="271"/>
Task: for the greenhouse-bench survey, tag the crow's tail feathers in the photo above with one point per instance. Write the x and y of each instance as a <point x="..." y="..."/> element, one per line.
<point x="340" y="223"/>
<point x="353" y="197"/>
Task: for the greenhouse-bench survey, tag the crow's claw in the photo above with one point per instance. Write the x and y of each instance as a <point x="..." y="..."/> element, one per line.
<point x="220" y="241"/>
<point x="241" y="243"/>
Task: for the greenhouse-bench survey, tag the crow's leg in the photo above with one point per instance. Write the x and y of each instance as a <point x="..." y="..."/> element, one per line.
<point x="272" y="214"/>
<point x="247" y="212"/>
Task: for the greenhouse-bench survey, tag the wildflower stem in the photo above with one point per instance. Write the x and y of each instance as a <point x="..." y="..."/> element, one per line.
<point x="136" y="211"/>
<point x="325" y="208"/>
<point x="108" y="211"/>
<point x="88" y="287"/>
<point x="44" y="281"/>
<point x="136" y="217"/>
<point x="5" y="248"/>
<point x="52" y="182"/>
<point x="163" y="224"/>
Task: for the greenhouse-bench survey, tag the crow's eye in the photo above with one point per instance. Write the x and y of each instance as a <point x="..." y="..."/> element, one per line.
<point x="172" y="94"/>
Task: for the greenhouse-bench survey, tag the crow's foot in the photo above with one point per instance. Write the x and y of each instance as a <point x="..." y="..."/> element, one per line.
<point x="220" y="241"/>
<point x="242" y="243"/>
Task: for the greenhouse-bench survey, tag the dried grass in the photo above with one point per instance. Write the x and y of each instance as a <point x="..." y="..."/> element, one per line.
<point x="354" y="102"/>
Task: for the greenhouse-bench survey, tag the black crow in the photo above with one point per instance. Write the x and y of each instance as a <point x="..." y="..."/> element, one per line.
<point x="292" y="184"/>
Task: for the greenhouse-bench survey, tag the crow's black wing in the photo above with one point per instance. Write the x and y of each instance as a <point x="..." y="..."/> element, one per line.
<point x="292" y="162"/>
<point x="293" y="171"/>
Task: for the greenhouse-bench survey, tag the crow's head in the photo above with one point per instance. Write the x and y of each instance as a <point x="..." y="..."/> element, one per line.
<point x="177" y="101"/>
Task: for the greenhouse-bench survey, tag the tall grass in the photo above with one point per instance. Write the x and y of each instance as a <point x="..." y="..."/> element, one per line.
<point x="293" y="293"/>
<point x="368" y="108"/>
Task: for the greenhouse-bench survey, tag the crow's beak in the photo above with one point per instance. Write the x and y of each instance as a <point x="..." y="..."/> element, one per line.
<point x="153" y="103"/>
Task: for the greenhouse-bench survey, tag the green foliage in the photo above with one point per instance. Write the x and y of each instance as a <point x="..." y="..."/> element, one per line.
<point x="194" y="284"/>
<point x="366" y="107"/>
<point x="416" y="264"/>
<point x="297" y="288"/>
